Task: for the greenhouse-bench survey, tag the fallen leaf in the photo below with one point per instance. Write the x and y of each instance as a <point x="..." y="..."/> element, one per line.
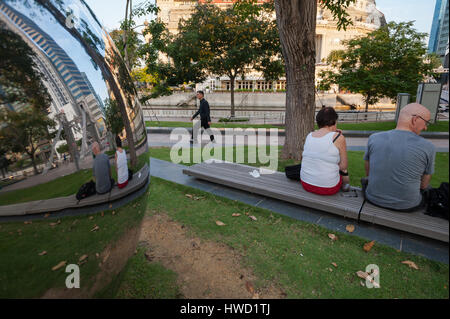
<point x="332" y="236"/>
<point x="189" y="196"/>
<point x="250" y="287"/>
<point x="255" y="296"/>
<point x="219" y="223"/>
<point x="236" y="215"/>
<point x="97" y="255"/>
<point x="330" y="269"/>
<point x="362" y="284"/>
<point x="368" y="246"/>
<point x="95" y="228"/>
<point x="91" y="217"/>
<point x="350" y="228"/>
<point x="246" y="214"/>
<point x="410" y="264"/>
<point x="28" y="223"/>
<point x="362" y="274"/>
<point x="334" y="264"/>
<point x="83" y="258"/>
<point x="113" y="212"/>
<point x="61" y="264"/>
<point x="253" y="217"/>
<point x="43" y="253"/>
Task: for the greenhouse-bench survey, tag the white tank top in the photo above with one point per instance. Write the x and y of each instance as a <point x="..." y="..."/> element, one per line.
<point x="122" y="167"/>
<point x="320" y="161"/>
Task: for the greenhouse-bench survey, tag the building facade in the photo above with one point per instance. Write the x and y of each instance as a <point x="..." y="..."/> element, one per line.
<point x="439" y="33"/>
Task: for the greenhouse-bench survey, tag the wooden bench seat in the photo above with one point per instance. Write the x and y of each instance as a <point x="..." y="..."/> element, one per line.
<point x="60" y="203"/>
<point x="275" y="185"/>
<point x="415" y="222"/>
<point x="278" y="186"/>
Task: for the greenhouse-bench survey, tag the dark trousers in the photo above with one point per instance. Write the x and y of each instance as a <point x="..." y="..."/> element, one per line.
<point x="205" y="126"/>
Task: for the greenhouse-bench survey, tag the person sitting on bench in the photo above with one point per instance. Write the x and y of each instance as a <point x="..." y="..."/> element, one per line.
<point x="101" y="170"/>
<point x="121" y="164"/>
<point x="399" y="163"/>
<point x="324" y="160"/>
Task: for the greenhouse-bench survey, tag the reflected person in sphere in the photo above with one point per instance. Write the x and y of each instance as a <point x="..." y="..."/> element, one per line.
<point x="101" y="170"/>
<point x="121" y="164"/>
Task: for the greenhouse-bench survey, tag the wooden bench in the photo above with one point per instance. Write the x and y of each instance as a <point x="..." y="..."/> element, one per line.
<point x="278" y="186"/>
<point x="57" y="204"/>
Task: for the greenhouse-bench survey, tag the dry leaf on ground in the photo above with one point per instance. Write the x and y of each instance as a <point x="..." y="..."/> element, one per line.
<point x="253" y="218"/>
<point x="362" y="274"/>
<point x="113" y="212"/>
<point x="350" y="228"/>
<point x="91" y="217"/>
<point x="28" y="222"/>
<point x="410" y="264"/>
<point x="334" y="264"/>
<point x="57" y="223"/>
<point x="368" y="246"/>
<point x="189" y="196"/>
<point x="332" y="236"/>
<point x="219" y="223"/>
<point x="250" y="287"/>
<point x="95" y="228"/>
<point x="43" y="253"/>
<point x="61" y="264"/>
<point x="236" y="215"/>
<point x="83" y="258"/>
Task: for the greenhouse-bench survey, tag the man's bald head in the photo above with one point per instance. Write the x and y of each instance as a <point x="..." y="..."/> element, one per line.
<point x="413" y="117"/>
<point x="95" y="148"/>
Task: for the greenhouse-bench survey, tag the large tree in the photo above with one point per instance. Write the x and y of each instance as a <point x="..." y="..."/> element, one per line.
<point x="385" y="62"/>
<point x="213" y="41"/>
<point x="296" y="21"/>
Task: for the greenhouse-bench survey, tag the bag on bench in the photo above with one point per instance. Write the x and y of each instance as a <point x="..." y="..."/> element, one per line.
<point x="293" y="172"/>
<point x="437" y="201"/>
<point x="86" y="190"/>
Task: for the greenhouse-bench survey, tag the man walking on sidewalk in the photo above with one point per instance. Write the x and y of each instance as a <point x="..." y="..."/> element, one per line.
<point x="205" y="118"/>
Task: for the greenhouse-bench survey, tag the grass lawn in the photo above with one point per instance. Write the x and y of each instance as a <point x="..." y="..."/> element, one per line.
<point x="441" y="126"/>
<point x="60" y="187"/>
<point x="355" y="158"/>
<point x="294" y="255"/>
<point x="25" y="274"/>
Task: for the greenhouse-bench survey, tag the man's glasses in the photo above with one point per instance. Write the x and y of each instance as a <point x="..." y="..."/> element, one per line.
<point x="426" y="122"/>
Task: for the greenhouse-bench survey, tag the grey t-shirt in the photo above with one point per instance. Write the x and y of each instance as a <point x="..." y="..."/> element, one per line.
<point x="102" y="173"/>
<point x="398" y="160"/>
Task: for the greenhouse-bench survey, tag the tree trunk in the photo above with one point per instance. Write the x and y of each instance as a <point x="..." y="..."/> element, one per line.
<point x="106" y="72"/>
<point x="125" y="35"/>
<point x="232" y="78"/>
<point x="296" y="20"/>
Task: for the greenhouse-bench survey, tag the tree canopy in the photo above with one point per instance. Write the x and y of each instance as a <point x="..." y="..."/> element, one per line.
<point x="388" y="61"/>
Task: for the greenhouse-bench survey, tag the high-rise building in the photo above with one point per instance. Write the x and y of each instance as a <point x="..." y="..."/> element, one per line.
<point x="439" y="29"/>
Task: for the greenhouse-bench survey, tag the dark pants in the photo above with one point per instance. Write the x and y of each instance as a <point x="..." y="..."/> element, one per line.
<point x="365" y="182"/>
<point x="205" y="126"/>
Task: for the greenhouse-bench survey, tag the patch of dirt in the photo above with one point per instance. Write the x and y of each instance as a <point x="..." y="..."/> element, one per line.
<point x="111" y="262"/>
<point x="205" y="269"/>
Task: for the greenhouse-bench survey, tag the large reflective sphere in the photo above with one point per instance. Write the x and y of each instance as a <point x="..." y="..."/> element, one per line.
<point x="63" y="87"/>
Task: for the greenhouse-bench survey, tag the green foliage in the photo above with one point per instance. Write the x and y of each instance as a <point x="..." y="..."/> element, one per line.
<point x="114" y="121"/>
<point x="20" y="80"/>
<point x="217" y="41"/>
<point x="337" y="8"/>
<point x="133" y="45"/>
<point x="386" y="62"/>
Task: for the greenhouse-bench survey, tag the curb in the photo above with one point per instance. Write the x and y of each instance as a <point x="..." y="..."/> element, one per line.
<point x="429" y="135"/>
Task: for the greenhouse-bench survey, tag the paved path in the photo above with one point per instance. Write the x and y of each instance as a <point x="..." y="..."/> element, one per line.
<point x="405" y="242"/>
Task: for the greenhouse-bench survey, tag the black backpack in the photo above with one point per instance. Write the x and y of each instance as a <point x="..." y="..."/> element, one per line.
<point x="437" y="201"/>
<point x="86" y="190"/>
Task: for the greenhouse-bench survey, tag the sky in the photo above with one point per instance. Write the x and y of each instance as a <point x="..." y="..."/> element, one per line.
<point x="111" y="12"/>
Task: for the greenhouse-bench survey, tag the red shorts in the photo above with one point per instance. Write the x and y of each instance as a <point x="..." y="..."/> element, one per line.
<point x="322" y="190"/>
<point x="122" y="185"/>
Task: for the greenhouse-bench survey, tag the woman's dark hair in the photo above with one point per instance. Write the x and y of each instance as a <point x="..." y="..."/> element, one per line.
<point x="118" y="141"/>
<point x="327" y="116"/>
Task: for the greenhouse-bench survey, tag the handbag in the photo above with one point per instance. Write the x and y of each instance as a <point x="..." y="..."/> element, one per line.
<point x="293" y="172"/>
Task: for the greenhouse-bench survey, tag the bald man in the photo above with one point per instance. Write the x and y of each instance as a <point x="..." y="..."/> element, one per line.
<point x="101" y="170"/>
<point x="399" y="163"/>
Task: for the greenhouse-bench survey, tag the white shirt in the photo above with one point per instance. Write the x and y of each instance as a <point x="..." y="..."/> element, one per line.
<point x="122" y="167"/>
<point x="320" y="161"/>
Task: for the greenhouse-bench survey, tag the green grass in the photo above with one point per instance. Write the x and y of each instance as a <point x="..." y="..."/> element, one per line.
<point x="60" y="187"/>
<point x="141" y="279"/>
<point x="355" y="160"/>
<point x="25" y="274"/>
<point x="296" y="256"/>
<point x="441" y="126"/>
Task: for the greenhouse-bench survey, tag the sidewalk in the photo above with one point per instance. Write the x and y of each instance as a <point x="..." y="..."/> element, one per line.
<point x="405" y="242"/>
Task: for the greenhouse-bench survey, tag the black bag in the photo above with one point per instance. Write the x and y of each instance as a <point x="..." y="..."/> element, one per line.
<point x="293" y="172"/>
<point x="130" y="174"/>
<point x="86" y="190"/>
<point x="437" y="201"/>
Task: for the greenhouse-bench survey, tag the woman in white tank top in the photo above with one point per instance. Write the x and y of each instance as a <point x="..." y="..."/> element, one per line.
<point x="121" y="164"/>
<point x="324" y="159"/>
